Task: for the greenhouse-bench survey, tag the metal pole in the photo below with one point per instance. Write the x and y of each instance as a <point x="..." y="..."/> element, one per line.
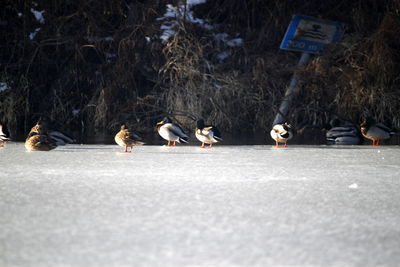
<point x="284" y="107"/>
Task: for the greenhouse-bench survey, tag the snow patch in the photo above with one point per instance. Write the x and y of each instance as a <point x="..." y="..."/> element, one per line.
<point x="38" y="15"/>
<point x="33" y="34"/>
<point x="195" y="2"/>
<point x="235" y="42"/>
<point x="3" y="86"/>
<point x="223" y="55"/>
<point x="110" y="55"/>
<point x="223" y="41"/>
<point x="182" y="12"/>
<point x="99" y="39"/>
<point x="75" y="112"/>
<point x="353" y="186"/>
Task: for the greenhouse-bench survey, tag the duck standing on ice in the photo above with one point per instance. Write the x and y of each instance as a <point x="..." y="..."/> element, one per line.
<point x="281" y="133"/>
<point x="171" y="132"/>
<point x="375" y="131"/>
<point x="3" y="137"/>
<point x="126" y="138"/>
<point x="207" y="134"/>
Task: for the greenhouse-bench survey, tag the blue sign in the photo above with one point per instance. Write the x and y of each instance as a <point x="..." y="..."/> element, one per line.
<point x="308" y="34"/>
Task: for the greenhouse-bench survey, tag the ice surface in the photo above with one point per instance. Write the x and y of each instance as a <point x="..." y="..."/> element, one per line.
<point x="92" y="205"/>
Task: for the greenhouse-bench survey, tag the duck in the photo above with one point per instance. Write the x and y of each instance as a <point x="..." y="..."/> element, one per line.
<point x="3" y="137"/>
<point x="38" y="140"/>
<point x="374" y="131"/>
<point x="207" y="134"/>
<point x="338" y="134"/>
<point x="126" y="138"/>
<point x="171" y="132"/>
<point x="60" y="138"/>
<point x="281" y="133"/>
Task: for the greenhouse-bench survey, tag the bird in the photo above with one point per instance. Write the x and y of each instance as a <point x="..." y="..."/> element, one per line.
<point x="281" y="133"/>
<point x="3" y="137"/>
<point x="374" y="131"/>
<point x="207" y="134"/>
<point x="171" y="132"/>
<point x="126" y="138"/>
<point x="59" y="137"/>
<point x="38" y="140"/>
<point x="342" y="134"/>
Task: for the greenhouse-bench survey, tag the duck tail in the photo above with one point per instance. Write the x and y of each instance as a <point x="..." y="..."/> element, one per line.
<point x="61" y="138"/>
<point x="183" y="140"/>
<point x="219" y="139"/>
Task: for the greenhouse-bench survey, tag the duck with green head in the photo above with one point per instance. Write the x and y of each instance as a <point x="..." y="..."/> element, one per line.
<point x="374" y="131"/>
<point x="207" y="134"/>
<point x="171" y="132"/>
<point x="281" y="133"/>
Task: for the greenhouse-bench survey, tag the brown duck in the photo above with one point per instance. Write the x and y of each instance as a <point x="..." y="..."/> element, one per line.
<point x="126" y="139"/>
<point x="38" y="140"/>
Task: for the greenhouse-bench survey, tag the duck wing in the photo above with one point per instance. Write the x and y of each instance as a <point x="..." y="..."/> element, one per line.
<point x="384" y="128"/>
<point x="178" y="131"/>
<point x="216" y="133"/>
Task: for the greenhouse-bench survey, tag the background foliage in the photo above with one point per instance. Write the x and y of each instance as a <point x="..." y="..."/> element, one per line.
<point x="96" y="63"/>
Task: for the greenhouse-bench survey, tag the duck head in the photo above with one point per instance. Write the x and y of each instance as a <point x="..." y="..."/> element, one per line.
<point x="164" y="121"/>
<point x="200" y="124"/>
<point x="287" y="126"/>
<point x="366" y="124"/>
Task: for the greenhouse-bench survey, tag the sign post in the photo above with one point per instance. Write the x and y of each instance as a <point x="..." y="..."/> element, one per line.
<point x="307" y="35"/>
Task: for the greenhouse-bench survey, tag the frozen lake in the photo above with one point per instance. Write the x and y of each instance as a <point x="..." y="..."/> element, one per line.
<point x="90" y="205"/>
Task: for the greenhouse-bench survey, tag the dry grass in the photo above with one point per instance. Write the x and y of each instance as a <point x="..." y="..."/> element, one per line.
<point x="95" y="57"/>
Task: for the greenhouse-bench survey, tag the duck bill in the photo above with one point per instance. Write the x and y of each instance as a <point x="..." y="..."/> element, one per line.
<point x="160" y="123"/>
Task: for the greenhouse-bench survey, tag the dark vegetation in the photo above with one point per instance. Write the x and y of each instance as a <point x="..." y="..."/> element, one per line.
<point x="96" y="63"/>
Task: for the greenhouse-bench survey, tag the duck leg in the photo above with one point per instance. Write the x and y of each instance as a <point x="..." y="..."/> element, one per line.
<point x="276" y="144"/>
<point x="202" y="145"/>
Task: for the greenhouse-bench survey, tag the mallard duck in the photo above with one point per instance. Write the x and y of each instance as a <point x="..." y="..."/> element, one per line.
<point x="207" y="134"/>
<point x="3" y="137"/>
<point x="281" y="133"/>
<point x="126" y="138"/>
<point x="38" y="140"/>
<point x="58" y="137"/>
<point x="342" y="134"/>
<point x="171" y="132"/>
<point x="375" y="131"/>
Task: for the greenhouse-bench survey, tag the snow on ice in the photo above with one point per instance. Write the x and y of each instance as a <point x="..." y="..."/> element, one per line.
<point x="92" y="205"/>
